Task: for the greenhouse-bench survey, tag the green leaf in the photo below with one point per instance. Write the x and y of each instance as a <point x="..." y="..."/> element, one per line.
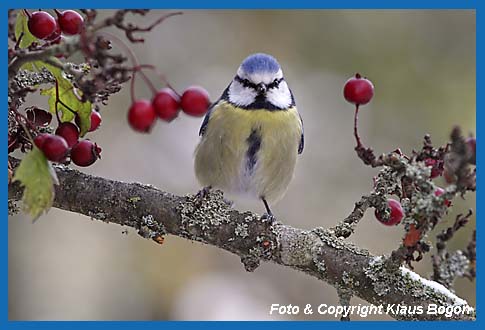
<point x="66" y="114"/>
<point x="22" y="27"/>
<point x="34" y="173"/>
<point x="28" y="66"/>
<point x="69" y="96"/>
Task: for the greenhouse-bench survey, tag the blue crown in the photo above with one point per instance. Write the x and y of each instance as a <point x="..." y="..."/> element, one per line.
<point x="260" y="62"/>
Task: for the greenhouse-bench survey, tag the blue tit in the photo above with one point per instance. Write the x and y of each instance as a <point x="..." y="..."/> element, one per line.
<point x="252" y="135"/>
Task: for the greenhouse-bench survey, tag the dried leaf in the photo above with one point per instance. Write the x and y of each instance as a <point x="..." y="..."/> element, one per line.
<point x="412" y="236"/>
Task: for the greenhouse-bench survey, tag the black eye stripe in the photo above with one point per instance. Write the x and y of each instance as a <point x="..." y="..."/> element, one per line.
<point x="247" y="83"/>
<point x="275" y="83"/>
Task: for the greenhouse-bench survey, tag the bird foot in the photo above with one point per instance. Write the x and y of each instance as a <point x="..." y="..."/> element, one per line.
<point x="268" y="217"/>
<point x="228" y="202"/>
<point x="201" y="194"/>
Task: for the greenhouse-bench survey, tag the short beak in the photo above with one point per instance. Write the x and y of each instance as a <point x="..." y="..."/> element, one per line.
<point x="261" y="88"/>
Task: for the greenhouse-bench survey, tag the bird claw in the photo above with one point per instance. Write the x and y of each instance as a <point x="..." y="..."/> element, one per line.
<point x="228" y="202"/>
<point x="204" y="192"/>
<point x="201" y="194"/>
<point x="268" y="217"/>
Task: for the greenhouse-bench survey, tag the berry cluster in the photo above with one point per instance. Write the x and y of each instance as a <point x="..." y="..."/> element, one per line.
<point x="65" y="143"/>
<point x="359" y="91"/>
<point x="397" y="213"/>
<point x="43" y="26"/>
<point x="166" y="105"/>
<point x="142" y="114"/>
<point x="75" y="89"/>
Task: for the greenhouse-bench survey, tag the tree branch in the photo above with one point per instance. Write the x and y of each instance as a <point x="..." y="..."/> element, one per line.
<point x="67" y="47"/>
<point x="210" y="220"/>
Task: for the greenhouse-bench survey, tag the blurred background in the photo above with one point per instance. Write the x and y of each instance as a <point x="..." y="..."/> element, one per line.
<point x="422" y="63"/>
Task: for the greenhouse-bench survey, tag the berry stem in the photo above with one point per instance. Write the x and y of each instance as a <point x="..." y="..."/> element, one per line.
<point x="17" y="44"/>
<point x="138" y="68"/>
<point x="27" y="132"/>
<point x="21" y="119"/>
<point x="132" y="87"/>
<point x="356" y="124"/>
<point x="57" y="101"/>
<point x="26" y="12"/>
<point x="162" y="77"/>
<point x="11" y="144"/>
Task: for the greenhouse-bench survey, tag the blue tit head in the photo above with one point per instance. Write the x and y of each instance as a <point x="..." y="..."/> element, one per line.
<point x="259" y="84"/>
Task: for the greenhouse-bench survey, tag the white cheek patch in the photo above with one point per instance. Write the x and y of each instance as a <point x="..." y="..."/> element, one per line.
<point x="240" y="95"/>
<point x="281" y="96"/>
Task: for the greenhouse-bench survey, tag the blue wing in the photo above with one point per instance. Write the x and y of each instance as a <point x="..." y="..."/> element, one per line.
<point x="302" y="138"/>
<point x="203" y="127"/>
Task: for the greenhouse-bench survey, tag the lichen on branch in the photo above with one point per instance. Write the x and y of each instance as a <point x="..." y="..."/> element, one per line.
<point x="318" y="252"/>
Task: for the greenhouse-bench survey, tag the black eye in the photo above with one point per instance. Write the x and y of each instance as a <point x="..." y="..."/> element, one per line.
<point x="275" y="83"/>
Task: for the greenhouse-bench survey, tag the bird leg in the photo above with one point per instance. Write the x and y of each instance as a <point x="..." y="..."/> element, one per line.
<point x="268" y="215"/>
<point x="201" y="194"/>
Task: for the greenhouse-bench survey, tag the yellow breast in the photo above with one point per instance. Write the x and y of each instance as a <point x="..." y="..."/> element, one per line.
<point x="221" y="156"/>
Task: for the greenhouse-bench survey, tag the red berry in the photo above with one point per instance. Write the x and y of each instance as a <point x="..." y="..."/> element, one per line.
<point x="430" y="162"/>
<point x="166" y="104"/>
<point x="71" y="22"/>
<point x="41" y="24"/>
<point x="397" y="213"/>
<point x="55" y="36"/>
<point x="95" y="120"/>
<point x="40" y="139"/>
<point x="358" y="90"/>
<point x="472" y="145"/>
<point x="141" y="116"/>
<point x="440" y="191"/>
<point x="54" y="147"/>
<point x="195" y="101"/>
<point x="69" y="132"/>
<point x="85" y="153"/>
<point x="436" y="169"/>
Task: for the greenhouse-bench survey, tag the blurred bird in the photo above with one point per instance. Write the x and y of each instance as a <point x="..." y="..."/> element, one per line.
<point x="251" y="136"/>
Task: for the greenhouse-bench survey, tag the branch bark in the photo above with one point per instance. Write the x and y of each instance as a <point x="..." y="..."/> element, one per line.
<point x="209" y="219"/>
